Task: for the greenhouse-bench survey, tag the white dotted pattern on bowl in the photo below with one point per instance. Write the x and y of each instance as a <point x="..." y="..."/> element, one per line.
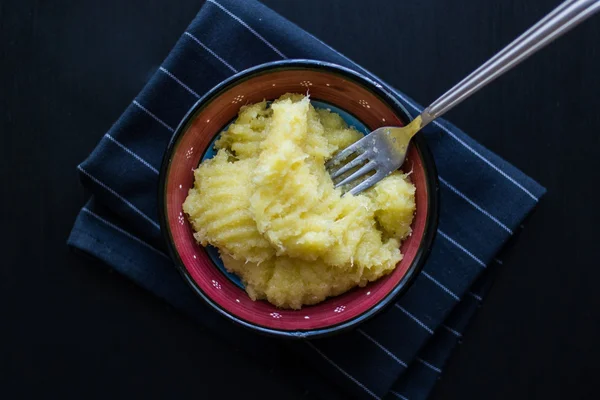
<point x="189" y="153"/>
<point x="237" y="99"/>
<point x="275" y="315"/>
<point x="216" y="284"/>
<point x="339" y="309"/>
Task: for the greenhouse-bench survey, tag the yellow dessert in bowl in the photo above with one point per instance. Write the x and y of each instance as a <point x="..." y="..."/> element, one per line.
<point x="268" y="204"/>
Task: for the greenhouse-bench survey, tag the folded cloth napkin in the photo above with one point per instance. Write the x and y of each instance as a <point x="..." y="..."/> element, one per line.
<point x="398" y="354"/>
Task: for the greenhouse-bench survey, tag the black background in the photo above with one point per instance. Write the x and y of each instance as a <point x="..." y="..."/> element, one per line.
<point x="72" y="328"/>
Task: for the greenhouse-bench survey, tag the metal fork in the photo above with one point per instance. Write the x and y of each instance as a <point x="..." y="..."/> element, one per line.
<point x="384" y="150"/>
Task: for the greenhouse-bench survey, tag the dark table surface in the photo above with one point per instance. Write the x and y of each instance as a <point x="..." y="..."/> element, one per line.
<point x="71" y="328"/>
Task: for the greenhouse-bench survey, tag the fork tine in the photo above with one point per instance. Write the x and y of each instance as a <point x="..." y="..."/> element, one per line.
<point x="367" y="183"/>
<point x="365" y="169"/>
<point x="342" y="155"/>
<point x="353" y="163"/>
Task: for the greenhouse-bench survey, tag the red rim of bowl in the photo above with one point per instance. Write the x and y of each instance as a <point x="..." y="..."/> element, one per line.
<point x="418" y="142"/>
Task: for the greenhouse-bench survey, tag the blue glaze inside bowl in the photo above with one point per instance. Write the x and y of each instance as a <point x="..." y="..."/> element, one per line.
<point x="212" y="252"/>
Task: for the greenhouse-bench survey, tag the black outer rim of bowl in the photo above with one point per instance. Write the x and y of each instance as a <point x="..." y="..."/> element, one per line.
<point x="422" y="148"/>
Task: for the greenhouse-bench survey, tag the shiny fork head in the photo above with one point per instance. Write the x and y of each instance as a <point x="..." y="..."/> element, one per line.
<point x="379" y="153"/>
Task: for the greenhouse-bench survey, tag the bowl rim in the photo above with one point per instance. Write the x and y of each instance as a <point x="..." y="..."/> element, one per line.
<point x="431" y="223"/>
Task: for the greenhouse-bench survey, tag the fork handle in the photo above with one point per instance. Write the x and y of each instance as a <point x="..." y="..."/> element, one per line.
<point x="562" y="19"/>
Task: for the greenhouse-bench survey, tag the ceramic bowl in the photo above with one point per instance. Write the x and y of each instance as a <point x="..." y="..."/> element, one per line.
<point x="362" y="102"/>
